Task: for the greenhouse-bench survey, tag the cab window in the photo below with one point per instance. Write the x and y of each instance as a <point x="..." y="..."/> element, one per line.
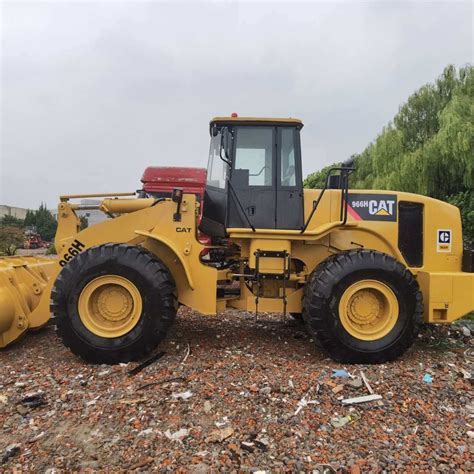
<point x="216" y="168"/>
<point x="253" y="152"/>
<point x="287" y="159"/>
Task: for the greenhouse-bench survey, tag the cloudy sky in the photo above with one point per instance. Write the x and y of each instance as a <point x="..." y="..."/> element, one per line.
<point x="93" y="92"/>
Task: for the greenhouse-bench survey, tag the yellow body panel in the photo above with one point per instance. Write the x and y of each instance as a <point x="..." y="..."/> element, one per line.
<point x="447" y="296"/>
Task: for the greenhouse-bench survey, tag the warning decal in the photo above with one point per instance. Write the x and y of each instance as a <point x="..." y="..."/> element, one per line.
<point x="443" y="240"/>
<point x="372" y="207"/>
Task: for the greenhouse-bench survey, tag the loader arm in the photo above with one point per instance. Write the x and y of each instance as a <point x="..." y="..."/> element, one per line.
<point x="26" y="282"/>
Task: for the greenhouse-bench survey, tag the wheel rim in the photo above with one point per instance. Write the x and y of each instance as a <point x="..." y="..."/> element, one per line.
<point x="110" y="306"/>
<point x="368" y="310"/>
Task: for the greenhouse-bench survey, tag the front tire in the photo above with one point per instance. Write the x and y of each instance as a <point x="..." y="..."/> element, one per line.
<point x="113" y="303"/>
<point x="363" y="306"/>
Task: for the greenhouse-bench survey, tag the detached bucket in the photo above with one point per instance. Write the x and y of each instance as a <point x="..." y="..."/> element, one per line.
<point x="24" y="283"/>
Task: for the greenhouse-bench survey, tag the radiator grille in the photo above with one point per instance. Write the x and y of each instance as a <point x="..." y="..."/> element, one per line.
<point x="410" y="232"/>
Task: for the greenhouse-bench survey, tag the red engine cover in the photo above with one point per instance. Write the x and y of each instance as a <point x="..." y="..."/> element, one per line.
<point x="163" y="179"/>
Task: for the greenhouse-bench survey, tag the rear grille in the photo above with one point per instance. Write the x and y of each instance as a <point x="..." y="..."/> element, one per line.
<point x="410" y="232"/>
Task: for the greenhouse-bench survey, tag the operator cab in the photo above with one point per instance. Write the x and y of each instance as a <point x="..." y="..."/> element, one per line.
<point x="254" y="176"/>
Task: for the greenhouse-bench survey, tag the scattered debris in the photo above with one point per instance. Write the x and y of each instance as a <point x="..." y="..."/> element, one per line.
<point x="158" y="382"/>
<point x="338" y="388"/>
<point x="188" y="351"/>
<point x="155" y="432"/>
<point x="262" y="442"/>
<point x="466" y="375"/>
<point x="145" y="433"/>
<point x="427" y="378"/>
<point x="217" y="436"/>
<point x="177" y="435"/>
<point x="11" y="451"/>
<point x="356" y="382"/>
<point x="366" y="382"/>
<point x="363" y="399"/>
<point x="340" y="421"/>
<point x="145" y="363"/>
<point x="304" y="402"/>
<point x="324" y="469"/>
<point x="183" y="395"/>
<point x="248" y="446"/>
<point x="34" y="400"/>
<point x="340" y="373"/>
<point x="142" y="463"/>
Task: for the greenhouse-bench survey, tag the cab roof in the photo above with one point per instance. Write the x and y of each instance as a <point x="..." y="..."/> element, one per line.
<point x="256" y="121"/>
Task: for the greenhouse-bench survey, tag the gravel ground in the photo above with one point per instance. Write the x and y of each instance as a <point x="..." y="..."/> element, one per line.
<point x="224" y="397"/>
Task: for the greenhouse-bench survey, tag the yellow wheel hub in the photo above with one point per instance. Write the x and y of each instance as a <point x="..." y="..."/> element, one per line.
<point x="110" y="306"/>
<point x="368" y="310"/>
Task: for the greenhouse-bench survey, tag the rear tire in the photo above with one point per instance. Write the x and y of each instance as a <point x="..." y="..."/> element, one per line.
<point x="348" y="337"/>
<point x="118" y="281"/>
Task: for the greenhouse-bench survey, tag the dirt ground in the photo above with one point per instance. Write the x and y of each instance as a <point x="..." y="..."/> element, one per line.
<point x="226" y="396"/>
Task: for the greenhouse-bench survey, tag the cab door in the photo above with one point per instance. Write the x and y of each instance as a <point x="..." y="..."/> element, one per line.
<point x="252" y="194"/>
<point x="289" y="182"/>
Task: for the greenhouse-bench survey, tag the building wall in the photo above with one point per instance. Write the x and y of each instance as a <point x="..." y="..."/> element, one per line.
<point x="17" y="212"/>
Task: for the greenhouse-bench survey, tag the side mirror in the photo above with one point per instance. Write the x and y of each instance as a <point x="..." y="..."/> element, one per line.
<point x="177" y="195"/>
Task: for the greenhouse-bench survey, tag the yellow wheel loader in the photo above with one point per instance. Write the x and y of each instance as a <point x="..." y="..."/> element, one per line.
<point x="363" y="268"/>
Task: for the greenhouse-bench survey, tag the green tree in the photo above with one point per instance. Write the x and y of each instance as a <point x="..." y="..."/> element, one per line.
<point x="42" y="221"/>
<point x="427" y="149"/>
<point x="11" y="221"/>
<point x="46" y="224"/>
<point x="11" y="239"/>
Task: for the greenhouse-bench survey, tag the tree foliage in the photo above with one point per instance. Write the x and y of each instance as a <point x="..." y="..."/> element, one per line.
<point x="427" y="149"/>
<point x="42" y="221"/>
<point x="11" y="221"/>
<point x="11" y="239"/>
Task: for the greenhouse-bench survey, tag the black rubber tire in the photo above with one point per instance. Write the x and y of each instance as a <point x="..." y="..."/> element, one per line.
<point x="145" y="271"/>
<point x="325" y="288"/>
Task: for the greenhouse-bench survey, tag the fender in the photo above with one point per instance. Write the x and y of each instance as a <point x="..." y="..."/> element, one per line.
<point x="172" y="247"/>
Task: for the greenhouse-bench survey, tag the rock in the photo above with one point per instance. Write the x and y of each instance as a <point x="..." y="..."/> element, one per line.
<point x="11" y="451"/>
<point x="470" y="434"/>
<point x="466" y="332"/>
<point x="265" y="390"/>
<point x="22" y="410"/>
<point x="200" y="468"/>
<point x="207" y="406"/>
<point x="183" y="395"/>
<point x="356" y="382"/>
<point x="177" y="435"/>
<point x="217" y="436"/>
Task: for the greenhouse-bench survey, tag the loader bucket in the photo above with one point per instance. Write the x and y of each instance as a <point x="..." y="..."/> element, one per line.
<point x="24" y="283"/>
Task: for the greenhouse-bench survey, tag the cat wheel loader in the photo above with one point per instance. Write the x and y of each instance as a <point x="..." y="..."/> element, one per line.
<point x="363" y="268"/>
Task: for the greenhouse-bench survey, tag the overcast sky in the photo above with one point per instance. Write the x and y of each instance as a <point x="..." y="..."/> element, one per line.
<point x="93" y="92"/>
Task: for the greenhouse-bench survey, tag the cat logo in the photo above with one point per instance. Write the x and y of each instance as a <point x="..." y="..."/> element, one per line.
<point x="443" y="241"/>
<point x="372" y="207"/>
<point x="383" y="207"/>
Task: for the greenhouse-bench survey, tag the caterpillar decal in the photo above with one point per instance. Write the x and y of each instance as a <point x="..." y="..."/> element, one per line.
<point x="372" y="207"/>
